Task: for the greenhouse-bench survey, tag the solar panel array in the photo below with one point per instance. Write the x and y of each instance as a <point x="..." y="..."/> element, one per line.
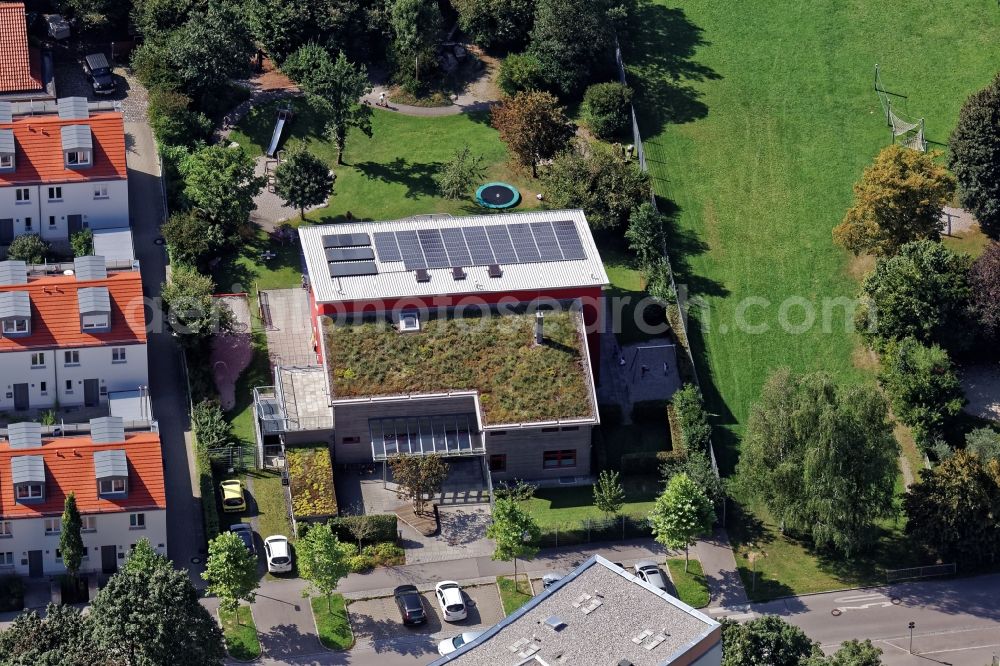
<point x="349" y="255"/>
<point x="521" y="243"/>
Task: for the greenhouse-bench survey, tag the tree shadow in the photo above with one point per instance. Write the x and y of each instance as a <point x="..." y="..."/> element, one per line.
<point x="417" y="177"/>
<point x="683" y="244"/>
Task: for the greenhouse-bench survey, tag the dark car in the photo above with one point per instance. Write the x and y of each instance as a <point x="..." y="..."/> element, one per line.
<point x="411" y="607"/>
<point x="245" y="532"/>
<point x="99" y="73"/>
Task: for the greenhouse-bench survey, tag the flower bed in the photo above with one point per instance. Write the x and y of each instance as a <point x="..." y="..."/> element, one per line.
<point x="310" y="476"/>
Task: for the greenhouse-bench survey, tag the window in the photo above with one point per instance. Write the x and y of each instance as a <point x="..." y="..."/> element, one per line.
<point x="29" y="491"/>
<point x="43" y="387"/>
<point x="6" y="559"/>
<point x="95" y="321"/>
<point x="55" y="194"/>
<point x="498" y="462"/>
<point x="117" y="354"/>
<point x="15" y="326"/>
<point x="351" y="440"/>
<point x="111" y="486"/>
<point x="69" y="386"/>
<point x="53" y="526"/>
<point x="100" y="191"/>
<point x="554" y="429"/>
<point x="88" y="523"/>
<point x="557" y="459"/>
<point x="27" y="224"/>
<point x="52" y="221"/>
<point x="38" y="360"/>
<point x="6" y="161"/>
<point x="570" y="428"/>
<point x="22" y="195"/>
<point x="71" y="357"/>
<point x="5" y="530"/>
<point x="77" y="157"/>
<point x="137" y="521"/>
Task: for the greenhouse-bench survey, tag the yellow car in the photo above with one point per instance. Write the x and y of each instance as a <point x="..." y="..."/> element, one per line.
<point x="232" y="495"/>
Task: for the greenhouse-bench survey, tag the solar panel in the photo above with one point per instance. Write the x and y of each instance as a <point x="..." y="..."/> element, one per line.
<point x="454" y="242"/>
<point x="346" y="240"/>
<point x="349" y="254"/>
<point x="385" y="245"/>
<point x="348" y="269"/>
<point x="569" y="240"/>
<point x="545" y="239"/>
<point x="409" y="247"/>
<point x="524" y="243"/>
<point x="433" y="246"/>
<point x="479" y="246"/>
<point x="503" y="250"/>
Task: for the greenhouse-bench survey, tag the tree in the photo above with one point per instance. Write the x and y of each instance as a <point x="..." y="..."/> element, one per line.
<point x="149" y="613"/>
<point x="952" y="510"/>
<point x="360" y="527"/>
<point x="985" y="443"/>
<point x="323" y="559"/>
<point x="698" y="467"/>
<point x="609" y="496"/>
<point x="193" y="313"/>
<point x="923" y="386"/>
<point x="765" y="641"/>
<point x="519" y="72"/>
<point x="210" y="424"/>
<point x="974" y="157"/>
<point x="416" y="26"/>
<point x="29" y="248"/>
<point x="220" y="182"/>
<point x="419" y="476"/>
<point x="211" y="48"/>
<point x="303" y="180"/>
<point x="603" y="183"/>
<point x="62" y="638"/>
<point x="154" y="17"/>
<point x="514" y="531"/>
<point x="82" y="243"/>
<point x="899" y="199"/>
<point x="95" y="14"/>
<point x="645" y="234"/>
<point x="851" y="653"/>
<point x="533" y="126"/>
<point x="70" y="537"/>
<point x="335" y="87"/>
<point x="174" y="123"/>
<point x="658" y="281"/>
<point x="279" y="27"/>
<point x="681" y="514"/>
<point x="923" y="293"/>
<point x="608" y="107"/>
<point x="231" y="572"/>
<point x="190" y="238"/>
<point x="459" y="175"/>
<point x="985" y="283"/>
<point x="496" y="23"/>
<point x="572" y="39"/>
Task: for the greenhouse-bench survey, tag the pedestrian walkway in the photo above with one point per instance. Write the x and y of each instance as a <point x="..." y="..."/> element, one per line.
<point x="721" y="573"/>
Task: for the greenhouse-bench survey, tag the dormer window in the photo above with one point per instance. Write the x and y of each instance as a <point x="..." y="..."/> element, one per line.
<point x="15" y="313"/>
<point x="6" y="162"/>
<point x="15" y="326"/>
<point x="110" y="470"/>
<point x="77" y="145"/>
<point x="28" y="491"/>
<point x="77" y="158"/>
<point x="28" y="475"/>
<point x="6" y="150"/>
<point x="112" y="486"/>
<point x="95" y="309"/>
<point x="95" y="321"/>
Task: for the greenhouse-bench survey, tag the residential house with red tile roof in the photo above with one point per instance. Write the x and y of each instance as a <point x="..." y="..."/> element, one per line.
<point x="70" y="339"/>
<point x="25" y="72"/>
<point x="116" y="477"/>
<point x="61" y="171"/>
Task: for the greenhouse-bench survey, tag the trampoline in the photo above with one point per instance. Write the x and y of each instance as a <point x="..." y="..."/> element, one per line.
<point x="497" y="195"/>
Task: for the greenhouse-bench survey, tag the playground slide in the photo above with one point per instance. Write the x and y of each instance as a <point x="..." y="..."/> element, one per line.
<point x="279" y="127"/>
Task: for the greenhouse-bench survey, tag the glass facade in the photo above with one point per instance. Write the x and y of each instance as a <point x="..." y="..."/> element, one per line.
<point x="450" y="435"/>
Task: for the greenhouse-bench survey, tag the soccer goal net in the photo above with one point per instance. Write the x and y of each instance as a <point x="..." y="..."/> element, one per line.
<point x="906" y="132"/>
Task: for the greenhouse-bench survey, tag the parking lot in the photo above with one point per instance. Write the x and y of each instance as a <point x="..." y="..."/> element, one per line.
<point x="377" y="621"/>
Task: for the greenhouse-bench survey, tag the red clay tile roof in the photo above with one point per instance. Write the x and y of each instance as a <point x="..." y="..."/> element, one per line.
<point x="69" y="467"/>
<point x="19" y="66"/>
<point x="55" y="315"/>
<point x="39" y="155"/>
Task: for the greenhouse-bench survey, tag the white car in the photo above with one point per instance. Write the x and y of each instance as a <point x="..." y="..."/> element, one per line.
<point x="449" y="596"/>
<point x="652" y="574"/>
<point x="449" y="645"/>
<point x="278" y="553"/>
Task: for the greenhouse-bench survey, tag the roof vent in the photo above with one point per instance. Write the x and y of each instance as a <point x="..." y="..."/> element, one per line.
<point x="107" y="430"/>
<point x="457" y="273"/>
<point x="555" y="622"/>
<point x="90" y="268"/>
<point x="422" y="275"/>
<point x="496" y="271"/>
<point x="13" y="272"/>
<point x="73" y="108"/>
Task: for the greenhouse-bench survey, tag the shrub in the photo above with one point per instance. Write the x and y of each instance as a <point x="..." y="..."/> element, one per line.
<point x="11" y="593"/>
<point x="206" y="484"/>
<point x="649" y="411"/>
<point x="311" y="482"/>
<point x="645" y="463"/>
<point x="29" y="248"/>
<point x="210" y="425"/>
<point x="607" y="108"/>
<point x="82" y="243"/>
<point x="518" y="72"/>
<point x="173" y="122"/>
<point x="385" y="528"/>
<point x="360" y="563"/>
<point x="385" y="554"/>
<point x="696" y="433"/>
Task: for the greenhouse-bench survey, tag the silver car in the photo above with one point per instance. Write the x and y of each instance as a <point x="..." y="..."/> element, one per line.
<point x="650" y="572"/>
<point x="449" y="645"/>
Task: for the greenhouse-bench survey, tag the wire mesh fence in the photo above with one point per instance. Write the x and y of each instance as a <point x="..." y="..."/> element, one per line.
<point x="595" y="529"/>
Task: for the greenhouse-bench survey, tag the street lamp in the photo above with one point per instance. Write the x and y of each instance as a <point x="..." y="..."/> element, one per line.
<point x="912" y="625"/>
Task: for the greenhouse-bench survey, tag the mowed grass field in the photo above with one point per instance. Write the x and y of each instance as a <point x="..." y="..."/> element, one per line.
<point x="757" y="118"/>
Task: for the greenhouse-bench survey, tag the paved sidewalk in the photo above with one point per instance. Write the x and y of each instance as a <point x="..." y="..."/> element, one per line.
<point x="719" y="565"/>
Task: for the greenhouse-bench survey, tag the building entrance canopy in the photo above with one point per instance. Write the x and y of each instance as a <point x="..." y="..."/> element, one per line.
<point x="448" y="435"/>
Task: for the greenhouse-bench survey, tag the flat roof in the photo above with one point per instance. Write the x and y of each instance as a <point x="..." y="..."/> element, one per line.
<point x="598" y="614"/>
<point x="371" y="261"/>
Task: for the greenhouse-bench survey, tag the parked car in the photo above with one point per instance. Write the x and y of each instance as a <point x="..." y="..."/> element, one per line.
<point x="548" y="580"/>
<point x="58" y="27"/>
<point x="651" y="573"/>
<point x="449" y="645"/>
<point x="98" y="71"/>
<point x="245" y="532"/>
<point x="411" y="608"/>
<point x="278" y="553"/>
<point x="449" y="596"/>
<point x="232" y="496"/>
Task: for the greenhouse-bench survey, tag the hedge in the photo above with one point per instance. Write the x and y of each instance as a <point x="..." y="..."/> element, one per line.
<point x="385" y="528"/>
<point x="206" y="482"/>
<point x="310" y="474"/>
<point x="644" y="463"/>
<point x="692" y="420"/>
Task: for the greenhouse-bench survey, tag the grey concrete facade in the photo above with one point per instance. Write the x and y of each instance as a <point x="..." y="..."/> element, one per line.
<point x="524" y="450"/>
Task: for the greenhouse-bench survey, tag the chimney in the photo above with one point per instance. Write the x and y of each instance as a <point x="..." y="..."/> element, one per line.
<point x="539" y="327"/>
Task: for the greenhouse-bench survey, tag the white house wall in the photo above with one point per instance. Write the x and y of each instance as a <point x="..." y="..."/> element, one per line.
<point x="77" y="199"/>
<point x="28" y="534"/>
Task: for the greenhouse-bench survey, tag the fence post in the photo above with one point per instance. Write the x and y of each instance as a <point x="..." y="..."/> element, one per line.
<point x="588" y="530"/>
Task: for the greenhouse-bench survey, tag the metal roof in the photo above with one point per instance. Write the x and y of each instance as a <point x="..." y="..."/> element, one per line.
<point x="394" y="281"/>
<point x="27" y="469"/>
<point x="107" y="430"/>
<point x="93" y="300"/>
<point x="15" y="305"/>
<point x="92" y="267"/>
<point x="6" y="141"/>
<point x="73" y="108"/>
<point x="114" y="244"/>
<point x="13" y="272"/>
<point x="6" y="112"/>
<point x="110" y="463"/>
<point x="76" y="137"/>
<point x="25" y="435"/>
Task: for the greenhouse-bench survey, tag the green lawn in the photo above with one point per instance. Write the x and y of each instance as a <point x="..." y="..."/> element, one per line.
<point x="268" y="494"/>
<point x="512" y="598"/>
<point x="568" y="507"/>
<point x="691" y="586"/>
<point x="758" y="118"/>
<point x="332" y="622"/>
<point x="241" y="638"/>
